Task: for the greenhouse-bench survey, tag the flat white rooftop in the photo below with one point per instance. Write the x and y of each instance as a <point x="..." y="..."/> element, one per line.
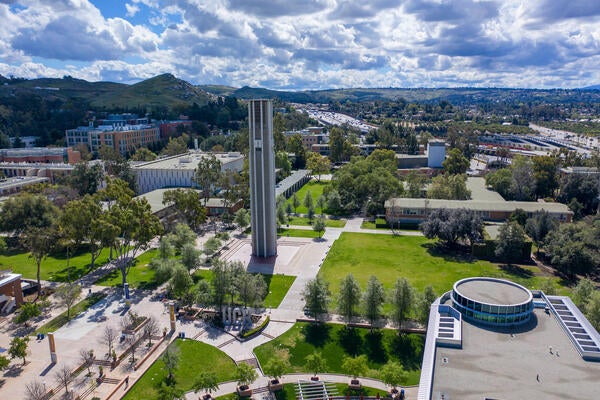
<point x="188" y="161"/>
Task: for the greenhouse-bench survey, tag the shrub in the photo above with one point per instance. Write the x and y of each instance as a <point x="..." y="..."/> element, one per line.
<point x="255" y="330"/>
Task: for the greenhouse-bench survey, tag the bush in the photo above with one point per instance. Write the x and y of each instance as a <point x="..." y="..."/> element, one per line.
<point x="255" y="330"/>
<point x="28" y="311"/>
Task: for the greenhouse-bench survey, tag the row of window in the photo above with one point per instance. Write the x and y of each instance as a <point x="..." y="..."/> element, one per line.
<point x="494" y="319"/>
<point x="490" y="309"/>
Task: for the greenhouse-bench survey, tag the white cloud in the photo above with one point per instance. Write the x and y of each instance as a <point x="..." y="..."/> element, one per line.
<point x="322" y="43"/>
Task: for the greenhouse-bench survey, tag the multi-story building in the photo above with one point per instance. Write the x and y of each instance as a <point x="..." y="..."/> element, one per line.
<point x="40" y="155"/>
<point x="121" y="137"/>
<point x="178" y="171"/>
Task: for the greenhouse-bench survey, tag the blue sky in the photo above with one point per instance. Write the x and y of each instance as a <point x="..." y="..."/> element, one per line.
<point x="307" y="44"/>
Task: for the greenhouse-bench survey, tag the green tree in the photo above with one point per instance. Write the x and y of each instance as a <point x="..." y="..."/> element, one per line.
<point x="294" y="145"/>
<point x="319" y="226"/>
<point x="523" y="184"/>
<point x="18" y="348"/>
<point x="316" y="296"/>
<point x="190" y="257"/>
<point x="282" y="161"/>
<point x="402" y="299"/>
<point x="85" y="178"/>
<point x="181" y="281"/>
<point x="415" y="183"/>
<point x="336" y="144"/>
<point x="207" y="175"/>
<point x="452" y="226"/>
<point x="501" y="182"/>
<point x="143" y="154"/>
<point x="134" y="226"/>
<point x="349" y="297"/>
<point x="181" y="236"/>
<point x="308" y="200"/>
<point x="539" y="226"/>
<point x="310" y="214"/>
<point x="26" y="211"/>
<point x="424" y="303"/>
<point x="188" y="206"/>
<point x="321" y="203"/>
<point x="277" y="366"/>
<point x="251" y="288"/>
<point x="4" y="362"/>
<point x="175" y="146"/>
<point x="510" y="242"/>
<point x="166" y="249"/>
<point x="242" y="219"/>
<point x="295" y="202"/>
<point x="583" y="292"/>
<point x="373" y="299"/>
<point x="315" y="363"/>
<point x="583" y="188"/>
<point x="393" y="374"/>
<point x="449" y="187"/>
<point x="572" y="249"/>
<point x="206" y="381"/>
<point x="592" y="310"/>
<point x="40" y="242"/>
<point x="211" y="246"/>
<point x="67" y="295"/>
<point x="170" y="359"/>
<point x="545" y="173"/>
<point x="355" y="366"/>
<point x="28" y="311"/>
<point x="246" y="374"/>
<point x="456" y="163"/>
<point x="317" y="164"/>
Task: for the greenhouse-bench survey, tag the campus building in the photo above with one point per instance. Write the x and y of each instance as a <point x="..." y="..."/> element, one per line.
<point x="40" y="155"/>
<point x="493" y="339"/>
<point x="178" y="171"/>
<point x="416" y="210"/>
<point x="122" y="138"/>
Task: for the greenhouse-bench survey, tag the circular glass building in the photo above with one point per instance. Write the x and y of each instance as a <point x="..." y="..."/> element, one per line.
<point x="492" y="301"/>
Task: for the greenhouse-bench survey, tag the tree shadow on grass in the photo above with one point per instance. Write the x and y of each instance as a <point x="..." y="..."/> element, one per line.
<point x="316" y="334"/>
<point x="517" y="271"/>
<point x="408" y="349"/>
<point x="350" y="340"/>
<point x="452" y="254"/>
<point x="374" y="347"/>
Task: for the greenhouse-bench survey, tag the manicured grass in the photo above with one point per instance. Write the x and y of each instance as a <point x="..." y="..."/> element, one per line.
<point x="316" y="190"/>
<point x="140" y="276"/>
<point x="53" y="267"/>
<point x="77" y="309"/>
<point x="194" y="357"/>
<point x="330" y="223"/>
<point x="415" y="258"/>
<point x="335" y="342"/>
<point x="307" y="233"/>
<point x="277" y="286"/>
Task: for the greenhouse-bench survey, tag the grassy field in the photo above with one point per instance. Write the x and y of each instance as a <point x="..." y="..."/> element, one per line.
<point x="306" y="233"/>
<point x="418" y="260"/>
<point x="78" y="308"/>
<point x="330" y="223"/>
<point x="53" y="267"/>
<point x="316" y="190"/>
<point x="140" y="276"/>
<point x="194" y="357"/>
<point x="335" y="341"/>
<point x="277" y="286"/>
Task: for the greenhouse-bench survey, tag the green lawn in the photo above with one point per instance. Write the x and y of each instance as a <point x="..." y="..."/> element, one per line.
<point x="194" y="357"/>
<point x="415" y="258"/>
<point x="330" y="223"/>
<point x="53" y="267"/>
<point x="78" y="308"/>
<point x="140" y="276"/>
<point x="316" y="190"/>
<point x="307" y="233"/>
<point x="277" y="286"/>
<point x="335" y="341"/>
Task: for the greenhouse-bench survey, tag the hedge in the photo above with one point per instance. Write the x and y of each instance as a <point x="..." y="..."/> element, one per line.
<point x="253" y="331"/>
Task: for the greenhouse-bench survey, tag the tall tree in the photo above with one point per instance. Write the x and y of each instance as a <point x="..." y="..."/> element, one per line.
<point x="294" y="145"/>
<point x="402" y="299"/>
<point x="26" y="211"/>
<point x="319" y="225"/>
<point x="207" y="175"/>
<point x="242" y="219"/>
<point x="187" y="204"/>
<point x="315" y="363"/>
<point x="510" y="242"/>
<point x="316" y="296"/>
<point x="206" y="381"/>
<point x="317" y="164"/>
<point x="545" y="173"/>
<point x="456" y="163"/>
<point x="349" y="297"/>
<point x="373" y="299"/>
<point x="453" y="225"/>
<point x="523" y="180"/>
<point x="424" y="303"/>
<point x="40" y="242"/>
<point x="85" y="178"/>
<point x="355" y="366"/>
<point x="35" y="390"/>
<point x="393" y="374"/>
<point x="539" y="226"/>
<point x="18" y="348"/>
<point x="190" y="257"/>
<point x="449" y="187"/>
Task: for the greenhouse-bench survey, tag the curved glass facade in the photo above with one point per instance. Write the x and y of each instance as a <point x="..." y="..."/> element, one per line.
<point x="492" y="314"/>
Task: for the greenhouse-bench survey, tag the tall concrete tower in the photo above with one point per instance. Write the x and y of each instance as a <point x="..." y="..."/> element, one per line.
<point x="262" y="178"/>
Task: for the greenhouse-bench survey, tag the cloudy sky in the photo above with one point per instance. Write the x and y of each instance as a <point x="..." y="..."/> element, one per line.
<point x="307" y="44"/>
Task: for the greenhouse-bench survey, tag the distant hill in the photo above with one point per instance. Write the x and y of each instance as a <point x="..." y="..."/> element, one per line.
<point x="593" y="87"/>
<point x="164" y="90"/>
<point x="456" y="96"/>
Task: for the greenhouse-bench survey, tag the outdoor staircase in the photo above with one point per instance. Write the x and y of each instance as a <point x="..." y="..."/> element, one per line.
<point x="111" y="381"/>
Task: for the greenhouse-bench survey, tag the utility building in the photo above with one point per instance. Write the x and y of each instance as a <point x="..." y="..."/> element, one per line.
<point x="262" y="178"/>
